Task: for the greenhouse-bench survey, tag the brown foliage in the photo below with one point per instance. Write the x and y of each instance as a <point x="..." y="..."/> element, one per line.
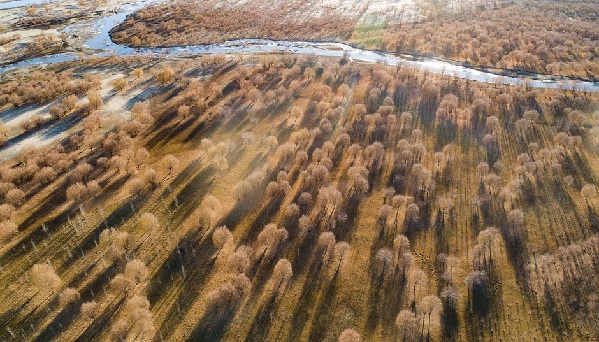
<point x="350" y="335"/>
<point x="68" y="296"/>
<point x="535" y="36"/>
<point x="43" y="277"/>
<point x="8" y="229"/>
<point x="90" y="310"/>
<point x="206" y="22"/>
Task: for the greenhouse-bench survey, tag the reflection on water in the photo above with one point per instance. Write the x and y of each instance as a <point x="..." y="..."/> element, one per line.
<point x="102" y="42"/>
<point x="21" y="3"/>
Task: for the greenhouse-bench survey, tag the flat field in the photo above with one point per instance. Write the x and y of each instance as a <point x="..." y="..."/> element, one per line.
<point x="280" y="197"/>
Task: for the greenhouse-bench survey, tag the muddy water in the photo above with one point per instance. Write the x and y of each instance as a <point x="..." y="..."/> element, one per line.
<point x="102" y="43"/>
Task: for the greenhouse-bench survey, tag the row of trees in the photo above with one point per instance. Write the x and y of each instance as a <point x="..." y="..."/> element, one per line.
<point x="40" y="87"/>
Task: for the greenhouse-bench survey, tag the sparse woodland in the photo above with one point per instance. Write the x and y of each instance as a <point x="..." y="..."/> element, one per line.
<point x="295" y="198"/>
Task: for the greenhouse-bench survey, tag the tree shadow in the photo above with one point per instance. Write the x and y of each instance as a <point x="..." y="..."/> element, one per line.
<point x="60" y="323"/>
<point x="374" y="298"/>
<point x="165" y="284"/>
<point x="322" y="318"/>
<point x="101" y="322"/>
<point x="449" y="322"/>
<point x="307" y="298"/>
<point x="263" y="320"/>
<point x="213" y="325"/>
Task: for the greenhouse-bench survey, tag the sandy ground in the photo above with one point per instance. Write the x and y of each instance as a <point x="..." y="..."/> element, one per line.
<point x="78" y="11"/>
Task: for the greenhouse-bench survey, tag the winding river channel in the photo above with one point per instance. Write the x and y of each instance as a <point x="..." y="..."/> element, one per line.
<point x="102" y="43"/>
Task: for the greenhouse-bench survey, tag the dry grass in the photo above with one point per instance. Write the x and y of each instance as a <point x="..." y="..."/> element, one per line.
<point x="318" y="304"/>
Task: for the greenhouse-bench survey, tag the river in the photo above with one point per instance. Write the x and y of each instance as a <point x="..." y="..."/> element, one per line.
<point x="22" y="3"/>
<point x="102" y="43"/>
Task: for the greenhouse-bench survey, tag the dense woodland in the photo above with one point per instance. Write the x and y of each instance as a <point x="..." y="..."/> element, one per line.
<point x="211" y="21"/>
<point x="295" y="198"/>
<point x="546" y="37"/>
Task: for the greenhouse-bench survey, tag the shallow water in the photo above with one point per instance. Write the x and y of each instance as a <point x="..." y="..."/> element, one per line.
<point x="105" y="46"/>
<point x="21" y="3"/>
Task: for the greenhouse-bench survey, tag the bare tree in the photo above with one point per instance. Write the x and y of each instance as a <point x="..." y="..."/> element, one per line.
<point x="171" y="162"/>
<point x="451" y="267"/>
<point x="450" y="296"/>
<point x="120" y="84"/>
<point x="15" y="197"/>
<point x="374" y="155"/>
<point x="269" y="240"/>
<point x="136" y="319"/>
<point x="122" y="284"/>
<point x="8" y="230"/>
<point x="45" y="175"/>
<point x="341" y="249"/>
<point x="229" y="294"/>
<point x="149" y="222"/>
<point x="210" y="211"/>
<point x="115" y="243"/>
<point x="401" y="245"/>
<point x="412" y="214"/>
<point x="492" y="124"/>
<point x="357" y="181"/>
<point x="278" y="189"/>
<point x="384" y="212"/>
<point x="429" y="306"/>
<point x="407" y="325"/>
<point x="137" y="271"/>
<point x="588" y="192"/>
<point x="417" y="280"/>
<point x="7" y="212"/>
<point x="68" y="296"/>
<point x="94" y="100"/>
<point x="137" y="73"/>
<point x="281" y="274"/>
<point x="326" y="245"/>
<point x="488" y="239"/>
<point x="482" y="169"/>
<point x="292" y="212"/>
<point x="43" y="278"/>
<point x="304" y="224"/>
<point x="183" y="111"/>
<point x="515" y="219"/>
<point x="349" y="335"/>
<point x="328" y="202"/>
<point x="384" y="258"/>
<point x="90" y="310"/>
<point x="305" y="202"/>
<point x="165" y="76"/>
<point x="239" y="261"/>
<point x="220" y="237"/>
<point x="398" y="201"/>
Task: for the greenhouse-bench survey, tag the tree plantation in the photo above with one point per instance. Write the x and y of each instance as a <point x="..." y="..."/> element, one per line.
<point x="281" y="197"/>
<point x="260" y="195"/>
